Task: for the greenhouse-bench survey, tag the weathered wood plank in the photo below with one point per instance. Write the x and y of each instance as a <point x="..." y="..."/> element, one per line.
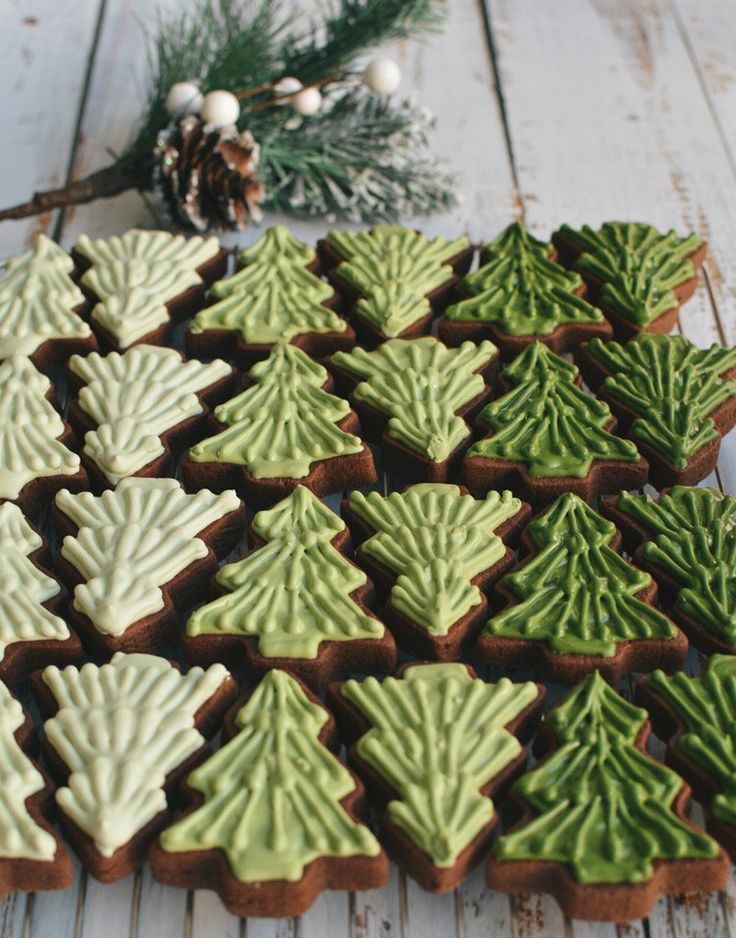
<point x="43" y="59"/>
<point x="162" y="910"/>
<point x="210" y="917"/>
<point x="107" y="908"/>
<point x="13" y="914"/>
<point x="376" y="913"/>
<point x="430" y="916"/>
<point x="483" y="911"/>
<point x="55" y="914"/>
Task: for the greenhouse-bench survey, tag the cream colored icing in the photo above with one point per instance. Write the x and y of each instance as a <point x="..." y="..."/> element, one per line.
<point x="120" y="729"/>
<point x="20" y="836"/>
<point x="29" y="429"/>
<point x="134" y="398"/>
<point x="37" y="299"/>
<point x="135" y="275"/>
<point x="132" y="541"/>
<point x="23" y="617"/>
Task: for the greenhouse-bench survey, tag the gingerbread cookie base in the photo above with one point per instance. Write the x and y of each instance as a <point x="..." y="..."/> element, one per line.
<point x="334" y="660"/>
<point x="635" y="538"/>
<point x="20" y="658"/>
<point x="55" y="352"/>
<point x="397" y="457"/>
<point x="36" y="494"/>
<point x="662" y="473"/>
<point x="127" y="858"/>
<point x="154" y="631"/>
<point x="481" y="474"/>
<point x="23" y="874"/>
<point x="407" y="855"/>
<point x="227" y="344"/>
<point x="668" y="726"/>
<point x="174" y="440"/>
<point x="210" y="869"/>
<point x="562" y="339"/>
<point x="355" y="470"/>
<point x="368" y="333"/>
<point x="179" y="308"/>
<point x="410" y="635"/>
<point x="623" y="327"/>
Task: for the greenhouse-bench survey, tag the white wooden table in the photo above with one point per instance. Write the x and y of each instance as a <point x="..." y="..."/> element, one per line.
<point x="551" y="111"/>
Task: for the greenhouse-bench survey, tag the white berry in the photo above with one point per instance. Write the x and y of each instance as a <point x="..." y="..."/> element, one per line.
<point x="382" y="76"/>
<point x="183" y="98"/>
<point x="307" y="102"/>
<point x="287" y="85"/>
<point x="220" y="108"/>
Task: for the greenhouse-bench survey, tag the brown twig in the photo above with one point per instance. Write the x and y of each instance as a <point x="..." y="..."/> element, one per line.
<point x="108" y="181"/>
<point x="283" y="98"/>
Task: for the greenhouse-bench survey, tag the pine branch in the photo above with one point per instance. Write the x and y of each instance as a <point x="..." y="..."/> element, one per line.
<point x="352" y="27"/>
<point x="221" y="44"/>
<point x="363" y="159"/>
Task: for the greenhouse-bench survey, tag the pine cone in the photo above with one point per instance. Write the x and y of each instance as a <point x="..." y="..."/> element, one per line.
<point x="207" y="176"/>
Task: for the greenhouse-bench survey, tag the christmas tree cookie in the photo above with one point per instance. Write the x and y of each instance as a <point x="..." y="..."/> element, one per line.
<point x="416" y="396"/>
<point x="31" y="631"/>
<point x="40" y="306"/>
<point x="698" y="716"/>
<point x="548" y="436"/>
<point x="35" y="459"/>
<point x="638" y="276"/>
<point x="686" y="539"/>
<point x="275" y="296"/>
<point x="285" y="429"/>
<point x="133" y="409"/>
<point x="394" y="277"/>
<point x="519" y="294"/>
<point x="604" y="826"/>
<point x="433" y="551"/>
<point x="576" y="605"/>
<point x="675" y="399"/>
<point x="119" y="738"/>
<point x="31" y="855"/>
<point x="294" y="602"/>
<point x="434" y="744"/>
<point x="138" y="555"/>
<point x="140" y="281"/>
<point x="274" y="817"/>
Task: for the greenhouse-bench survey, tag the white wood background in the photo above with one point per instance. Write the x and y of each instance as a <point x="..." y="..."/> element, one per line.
<point x="572" y="110"/>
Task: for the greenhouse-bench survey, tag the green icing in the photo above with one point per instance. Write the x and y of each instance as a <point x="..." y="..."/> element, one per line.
<point x="600" y="804"/>
<point x="520" y="290"/>
<point x="437" y="540"/>
<point x="576" y="594"/>
<point x="420" y="384"/>
<point x="293" y="593"/>
<point x="638" y="266"/>
<point x="273" y="297"/>
<point x="672" y="385"/>
<point x="706" y="706"/>
<point x="283" y="423"/>
<point x="272" y="794"/>
<point x="394" y="269"/>
<point x="693" y="539"/>
<point x="548" y="423"/>
<point x="277" y="242"/>
<point x="437" y="737"/>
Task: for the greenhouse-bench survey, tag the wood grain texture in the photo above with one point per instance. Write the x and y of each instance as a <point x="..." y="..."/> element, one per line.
<point x="43" y="62"/>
